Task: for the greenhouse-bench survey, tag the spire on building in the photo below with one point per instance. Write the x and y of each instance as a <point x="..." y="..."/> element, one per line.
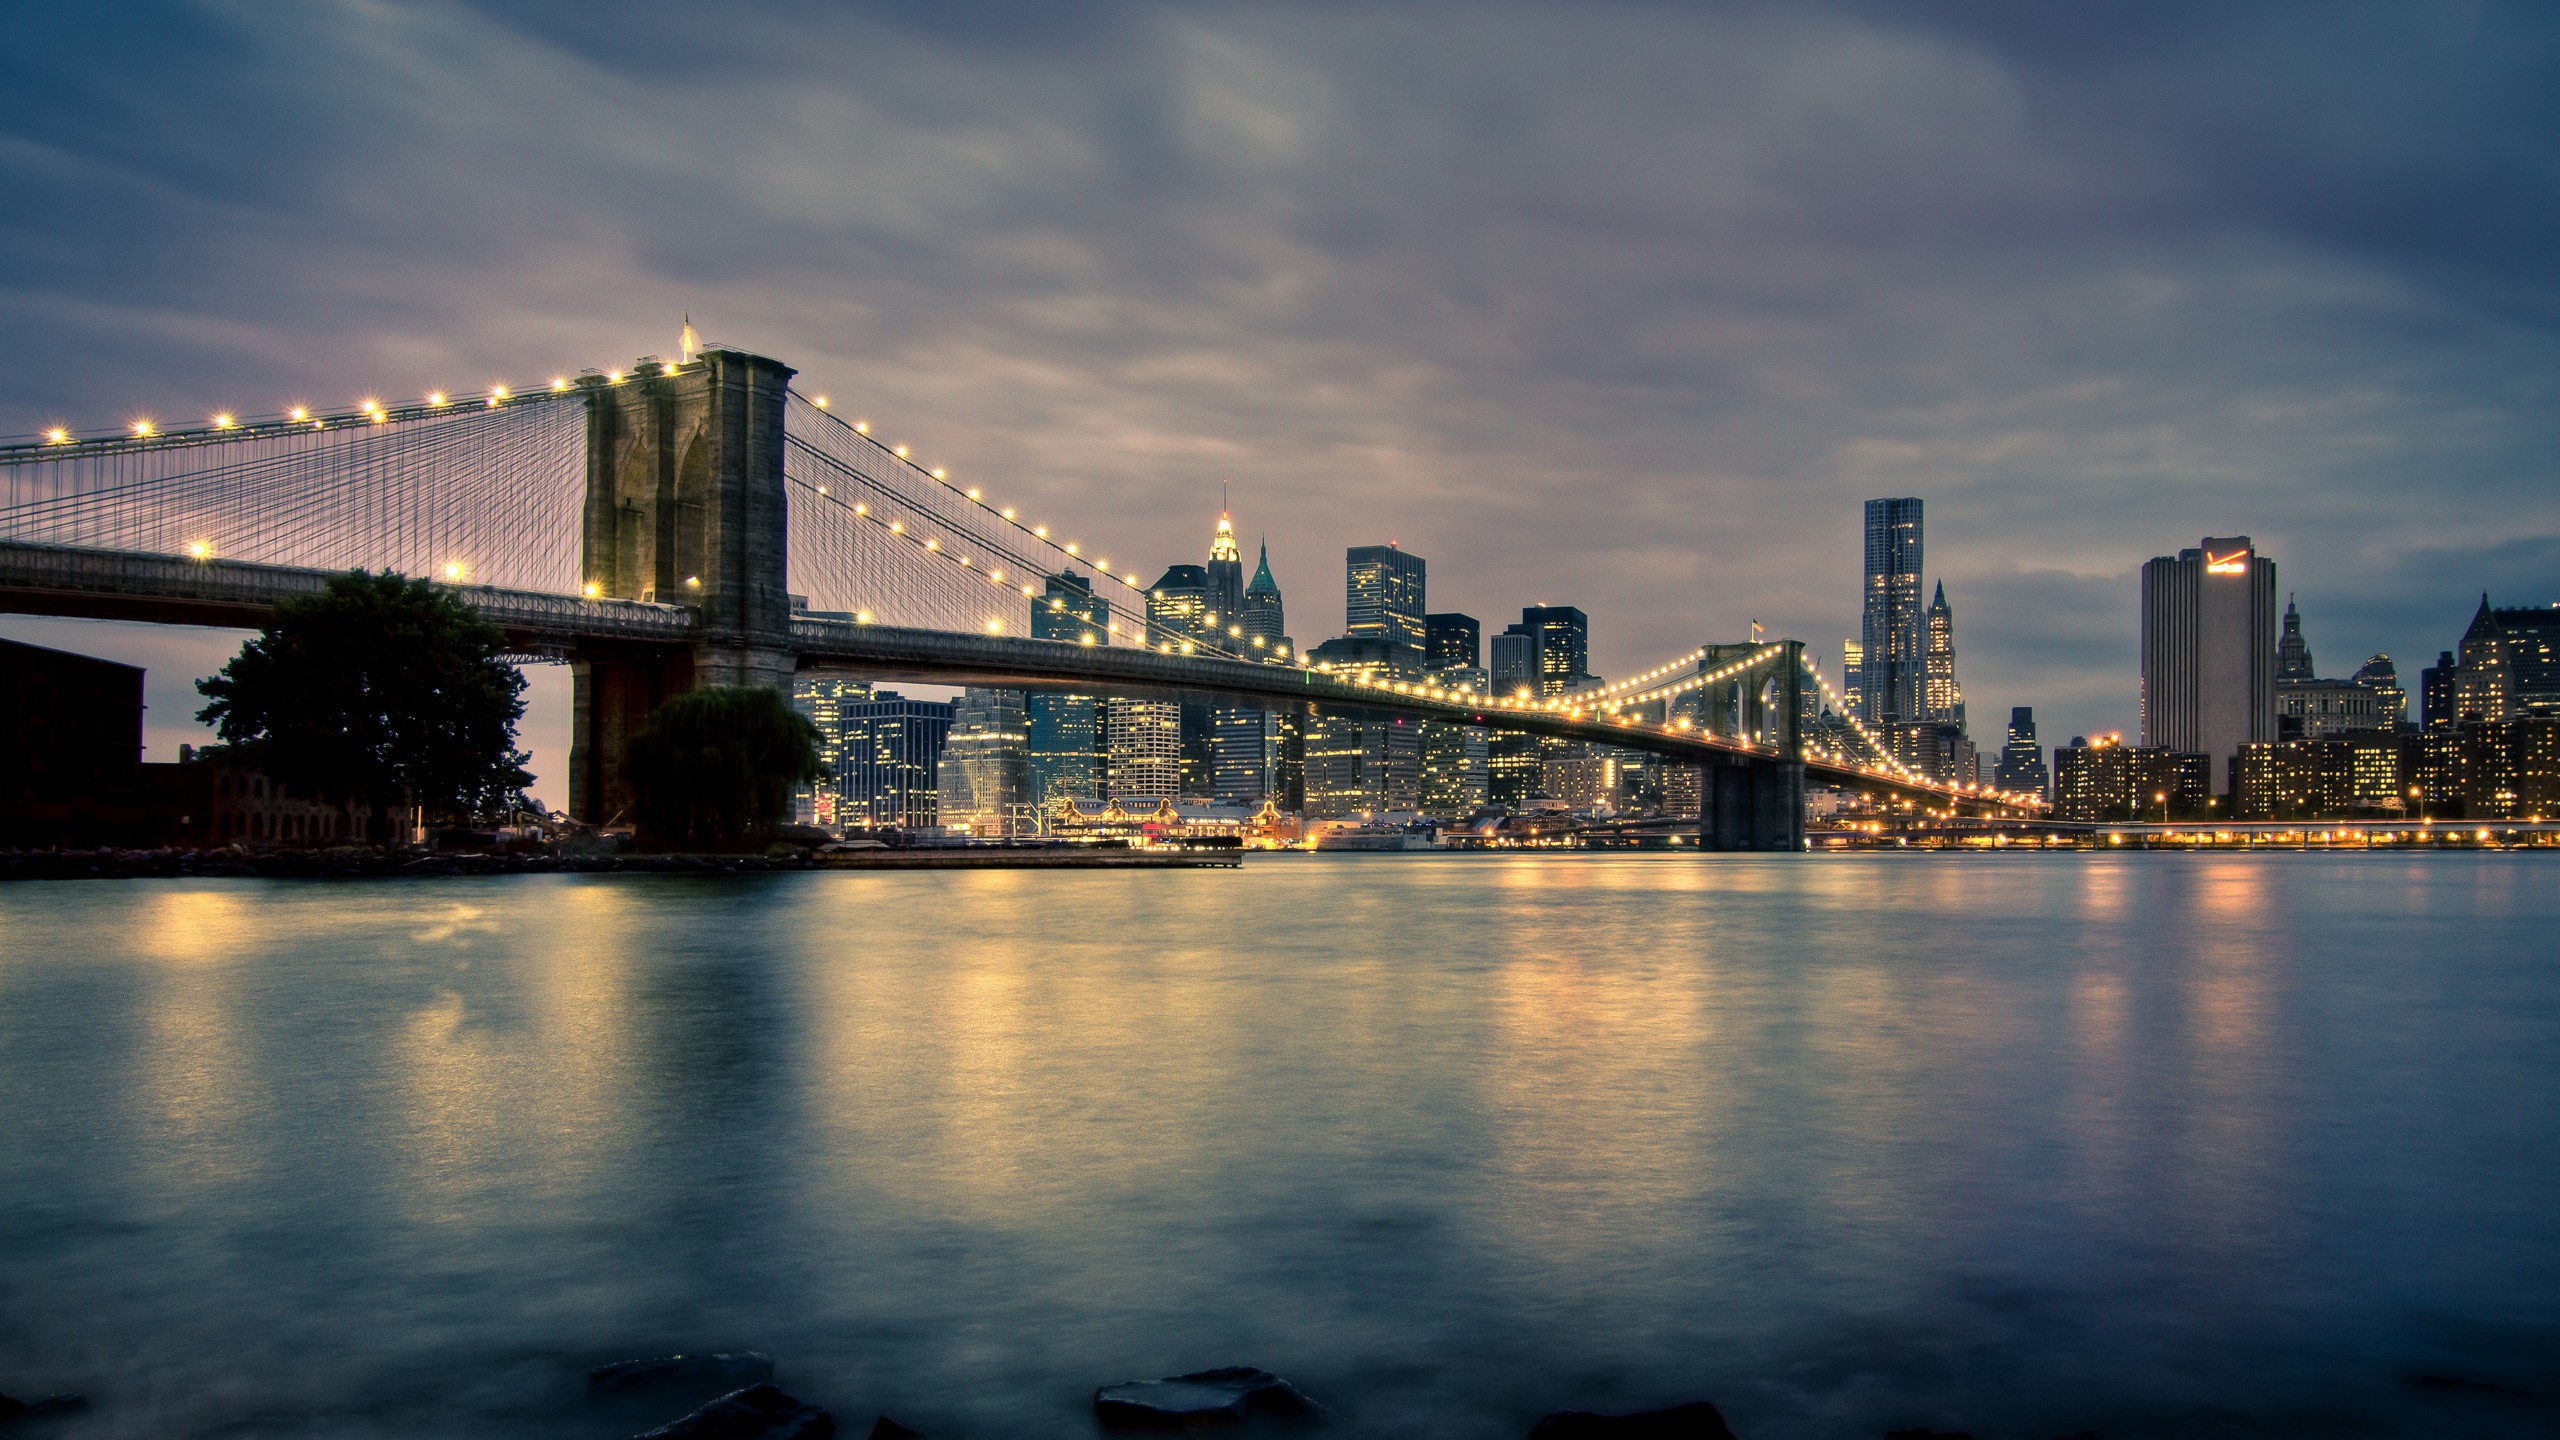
<point x="2293" y="654"/>
<point x="1222" y="544"/>
<point x="686" y="343"/>
<point x="1263" y="584"/>
<point x="1941" y="698"/>
<point x="2484" y="625"/>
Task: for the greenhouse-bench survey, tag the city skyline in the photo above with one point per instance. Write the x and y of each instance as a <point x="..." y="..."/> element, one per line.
<point x="1151" y="286"/>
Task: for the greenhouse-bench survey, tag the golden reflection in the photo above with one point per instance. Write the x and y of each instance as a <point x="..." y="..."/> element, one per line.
<point x="197" y="1098"/>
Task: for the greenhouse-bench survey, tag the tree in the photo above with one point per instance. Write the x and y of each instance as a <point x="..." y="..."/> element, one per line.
<point x="382" y="691"/>
<point x="714" y="769"/>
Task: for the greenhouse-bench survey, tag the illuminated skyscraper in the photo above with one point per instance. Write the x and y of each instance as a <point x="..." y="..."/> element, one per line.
<point x="1065" y="729"/>
<point x="2022" y="760"/>
<point x="820" y="696"/>
<point x="1452" y="643"/>
<point x="1264" y="619"/>
<point x="1892" y="634"/>
<point x="2293" y="653"/>
<point x="893" y="760"/>
<point x="1226" y="581"/>
<point x="1853" y="677"/>
<point x="1383" y="599"/>
<point x="1564" y="647"/>
<point x="985" y="772"/>
<point x="1942" y="699"/>
<point x="2209" y="650"/>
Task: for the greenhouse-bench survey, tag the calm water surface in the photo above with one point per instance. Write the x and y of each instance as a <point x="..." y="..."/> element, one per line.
<point x="2155" y="1145"/>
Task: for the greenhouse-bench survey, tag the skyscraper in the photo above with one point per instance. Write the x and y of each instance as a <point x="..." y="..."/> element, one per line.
<point x="1941" y="699"/>
<point x="1452" y="642"/>
<point x="2022" y="760"/>
<point x="1515" y="662"/>
<point x="893" y="760"/>
<point x="2508" y="665"/>
<point x="1853" y="677"/>
<point x="1226" y="583"/>
<point x="1264" y="619"/>
<point x="985" y="773"/>
<point x="1564" y="647"/>
<point x="1065" y="730"/>
<point x="1891" y="632"/>
<point x="820" y="696"/>
<point x="1383" y="598"/>
<point x="1142" y="741"/>
<point x="2209" y="650"/>
<point x="1179" y="609"/>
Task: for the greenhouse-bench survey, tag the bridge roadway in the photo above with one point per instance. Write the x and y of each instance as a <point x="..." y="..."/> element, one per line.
<point x="169" y="589"/>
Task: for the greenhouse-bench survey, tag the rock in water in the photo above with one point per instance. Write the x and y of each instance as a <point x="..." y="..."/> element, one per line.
<point x="1695" y="1421"/>
<point x="759" y="1412"/>
<point x="1204" y="1397"/>
<point x="66" y="1403"/>
<point x="723" y="1371"/>
<point x="885" y="1428"/>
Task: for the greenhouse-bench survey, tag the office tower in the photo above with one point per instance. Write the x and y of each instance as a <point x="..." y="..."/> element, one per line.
<point x="1065" y="729"/>
<point x="2209" y="650"/>
<point x="1179" y="609"/>
<point x="1455" y="757"/>
<point x="1382" y="598"/>
<point x="985" y="775"/>
<point x="1891" y="632"/>
<point x="1853" y="678"/>
<point x="2293" y="653"/>
<point x="1142" y="743"/>
<point x="1941" y="698"/>
<point x="2435" y="692"/>
<point x="2508" y="664"/>
<point x="2391" y="703"/>
<point x="1452" y="643"/>
<point x="820" y="697"/>
<point x="2092" y="781"/>
<point x="1361" y="766"/>
<point x="2022" y="760"/>
<point x="893" y="759"/>
<point x="1564" y="647"/>
<point x="1264" y="619"/>
<point x="1226" y="583"/>
<point x="1515" y="662"/>
<point x="2293" y="780"/>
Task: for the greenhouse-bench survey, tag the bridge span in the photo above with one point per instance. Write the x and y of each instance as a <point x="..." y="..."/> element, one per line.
<point x="656" y="529"/>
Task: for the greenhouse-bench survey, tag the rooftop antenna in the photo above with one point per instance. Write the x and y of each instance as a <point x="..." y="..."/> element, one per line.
<point x="687" y="343"/>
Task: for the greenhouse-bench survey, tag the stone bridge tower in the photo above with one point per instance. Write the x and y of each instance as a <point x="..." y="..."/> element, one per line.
<point x="684" y="506"/>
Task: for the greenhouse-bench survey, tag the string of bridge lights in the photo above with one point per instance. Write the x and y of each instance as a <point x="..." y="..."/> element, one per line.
<point x="298" y="418"/>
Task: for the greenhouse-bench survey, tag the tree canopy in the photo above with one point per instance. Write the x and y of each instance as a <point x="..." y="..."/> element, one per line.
<point x="714" y="769"/>
<point x="381" y="690"/>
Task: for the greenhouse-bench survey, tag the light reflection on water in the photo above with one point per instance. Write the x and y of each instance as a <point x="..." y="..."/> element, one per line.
<point x="2152" y="1144"/>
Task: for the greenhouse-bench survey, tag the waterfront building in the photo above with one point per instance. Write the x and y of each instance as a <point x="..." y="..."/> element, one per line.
<point x="1682" y="787"/>
<point x="2022" y="760"/>
<point x="2208" y="649"/>
<point x="2379" y="763"/>
<point x="1941" y="698"/>
<point x="1455" y="779"/>
<point x="1360" y="765"/>
<point x="70" y="770"/>
<point x="1065" y="729"/>
<point x="2293" y="780"/>
<point x="1892" y="633"/>
<point x="985" y="777"/>
<point x="820" y="696"/>
<point x="1853" y="678"/>
<point x="892" y="761"/>
<point x="1383" y="590"/>
<point x="1935" y="749"/>
<point x="1452" y="642"/>
<point x="1142" y="749"/>
<point x="2092" y="780"/>
<point x="2169" y="784"/>
<point x="2509" y="664"/>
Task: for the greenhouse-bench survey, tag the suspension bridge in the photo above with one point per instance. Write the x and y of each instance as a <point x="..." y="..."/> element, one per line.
<point x="699" y="521"/>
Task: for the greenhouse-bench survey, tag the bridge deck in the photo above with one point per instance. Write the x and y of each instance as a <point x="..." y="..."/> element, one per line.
<point x="169" y="589"/>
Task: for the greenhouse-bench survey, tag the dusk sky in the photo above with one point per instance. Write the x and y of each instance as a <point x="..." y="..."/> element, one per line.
<point x="1621" y="306"/>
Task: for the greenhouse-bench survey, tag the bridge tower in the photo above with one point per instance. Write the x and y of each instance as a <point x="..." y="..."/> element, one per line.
<point x="684" y="506"/>
<point x="1757" y="803"/>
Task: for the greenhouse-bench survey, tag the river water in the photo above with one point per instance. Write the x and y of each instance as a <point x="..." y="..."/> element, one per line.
<point x="2150" y="1145"/>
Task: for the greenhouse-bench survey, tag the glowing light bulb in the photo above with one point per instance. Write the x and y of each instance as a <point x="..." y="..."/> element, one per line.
<point x="613" y="376"/>
<point x="453" y="570"/>
<point x="57" y="436"/>
<point x="497" y="392"/>
<point x="559" y="382"/>
<point x="859" y="508"/>
<point x="861" y="427"/>
<point x="1008" y="512"/>
<point x="898" y="450"/>
<point x="1042" y="531"/>
<point x="199" y="550"/>
<point x="937" y="474"/>
<point x="224" y="421"/>
<point x="435" y="397"/>
<point x="820" y="402"/>
<point x="693" y="582"/>
<point x="1071" y="549"/>
<point x="666" y="369"/>
<point x="144" y="428"/>
<point x="594" y="590"/>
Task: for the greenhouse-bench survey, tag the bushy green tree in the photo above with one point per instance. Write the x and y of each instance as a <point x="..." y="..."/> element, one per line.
<point x="714" y="769"/>
<point x="382" y="691"/>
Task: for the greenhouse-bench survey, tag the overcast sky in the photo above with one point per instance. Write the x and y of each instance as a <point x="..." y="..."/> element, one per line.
<point x="1621" y="306"/>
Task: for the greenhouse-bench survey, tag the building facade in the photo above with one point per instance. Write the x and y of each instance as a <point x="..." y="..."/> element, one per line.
<point x="1892" y="633"/>
<point x="820" y="696"/>
<point x="1383" y="592"/>
<point x="2208" y="649"/>
<point x="892" y="766"/>
<point x="1941" y="697"/>
<point x="985" y="779"/>
<point x="2022" y="765"/>
<point x="1142" y="749"/>
<point x="1064" y="729"/>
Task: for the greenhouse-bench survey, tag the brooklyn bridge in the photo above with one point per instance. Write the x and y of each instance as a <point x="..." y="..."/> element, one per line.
<point x="700" y="521"/>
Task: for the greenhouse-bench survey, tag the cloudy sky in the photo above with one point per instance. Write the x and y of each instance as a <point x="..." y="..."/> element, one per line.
<point x="1624" y="306"/>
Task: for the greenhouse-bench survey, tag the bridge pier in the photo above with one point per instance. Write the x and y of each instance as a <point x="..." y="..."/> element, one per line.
<point x="1758" y="803"/>
<point x="685" y="506"/>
